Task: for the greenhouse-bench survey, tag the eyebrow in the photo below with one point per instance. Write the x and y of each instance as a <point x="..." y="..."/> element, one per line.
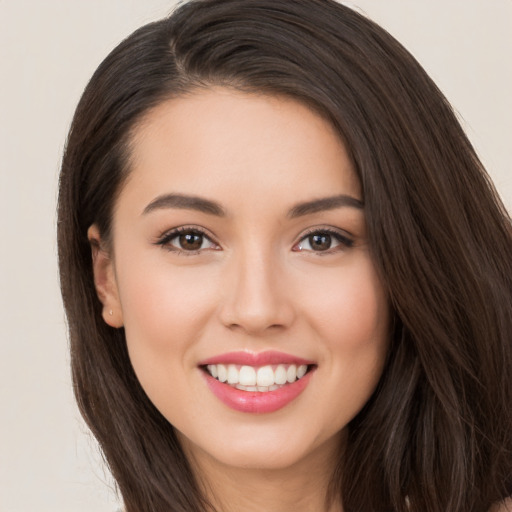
<point x="185" y="202"/>
<point x="324" y="204"/>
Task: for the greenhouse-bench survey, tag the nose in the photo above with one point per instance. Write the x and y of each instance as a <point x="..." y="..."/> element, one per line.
<point x="256" y="298"/>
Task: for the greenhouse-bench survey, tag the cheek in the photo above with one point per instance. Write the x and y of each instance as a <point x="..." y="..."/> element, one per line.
<point x="351" y="322"/>
<point x="158" y="297"/>
<point x="352" y="310"/>
<point x="164" y="312"/>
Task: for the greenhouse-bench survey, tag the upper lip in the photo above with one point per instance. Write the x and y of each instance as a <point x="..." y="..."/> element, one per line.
<point x="256" y="359"/>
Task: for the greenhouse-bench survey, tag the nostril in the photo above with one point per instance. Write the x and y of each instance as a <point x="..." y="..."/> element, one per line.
<point x="256" y="305"/>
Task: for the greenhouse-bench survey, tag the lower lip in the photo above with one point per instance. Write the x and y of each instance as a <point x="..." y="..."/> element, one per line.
<point x="257" y="402"/>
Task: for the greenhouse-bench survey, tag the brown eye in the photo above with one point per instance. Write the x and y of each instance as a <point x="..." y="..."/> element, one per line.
<point x="190" y="241"/>
<point x="320" y="241"/>
<point x="324" y="241"/>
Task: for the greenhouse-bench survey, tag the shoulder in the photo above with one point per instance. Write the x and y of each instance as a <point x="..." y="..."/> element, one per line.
<point x="503" y="506"/>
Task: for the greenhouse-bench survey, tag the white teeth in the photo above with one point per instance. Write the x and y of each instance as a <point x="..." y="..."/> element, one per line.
<point x="222" y="373"/>
<point x="262" y="389"/>
<point x="250" y="388"/>
<point x="232" y="374"/>
<point x="291" y="373"/>
<point x="280" y="375"/>
<point x="264" y="378"/>
<point x="247" y="376"/>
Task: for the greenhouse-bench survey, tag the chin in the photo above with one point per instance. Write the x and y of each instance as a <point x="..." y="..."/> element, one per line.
<point x="264" y="449"/>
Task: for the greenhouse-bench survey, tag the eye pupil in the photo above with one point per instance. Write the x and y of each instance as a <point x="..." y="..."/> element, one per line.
<point x="191" y="241"/>
<point x="320" y="242"/>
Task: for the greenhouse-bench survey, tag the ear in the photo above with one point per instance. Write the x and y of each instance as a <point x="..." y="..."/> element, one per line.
<point x="105" y="279"/>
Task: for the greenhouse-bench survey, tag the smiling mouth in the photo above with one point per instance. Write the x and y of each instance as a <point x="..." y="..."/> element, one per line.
<point x="261" y="379"/>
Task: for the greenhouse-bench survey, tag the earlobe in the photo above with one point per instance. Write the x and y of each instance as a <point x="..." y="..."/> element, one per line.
<point x="105" y="279"/>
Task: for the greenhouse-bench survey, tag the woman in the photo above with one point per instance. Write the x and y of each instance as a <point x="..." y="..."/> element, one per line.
<point x="286" y="274"/>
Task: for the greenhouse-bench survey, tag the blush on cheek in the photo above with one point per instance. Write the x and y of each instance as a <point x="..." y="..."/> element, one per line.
<point x="161" y="309"/>
<point x="357" y="315"/>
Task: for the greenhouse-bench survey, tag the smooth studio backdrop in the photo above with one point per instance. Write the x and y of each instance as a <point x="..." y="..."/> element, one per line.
<point x="48" y="51"/>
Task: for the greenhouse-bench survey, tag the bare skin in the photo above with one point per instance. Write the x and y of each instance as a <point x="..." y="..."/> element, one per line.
<point x="258" y="285"/>
<point x="272" y="269"/>
<point x="302" y="487"/>
<point x="505" y="506"/>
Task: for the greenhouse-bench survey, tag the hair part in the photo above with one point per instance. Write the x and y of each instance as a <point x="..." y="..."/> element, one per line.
<point x="438" y="427"/>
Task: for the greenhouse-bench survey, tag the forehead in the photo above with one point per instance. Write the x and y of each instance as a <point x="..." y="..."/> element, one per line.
<point x="220" y="141"/>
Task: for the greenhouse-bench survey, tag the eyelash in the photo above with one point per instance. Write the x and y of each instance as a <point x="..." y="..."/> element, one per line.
<point x="344" y="240"/>
<point x="166" y="239"/>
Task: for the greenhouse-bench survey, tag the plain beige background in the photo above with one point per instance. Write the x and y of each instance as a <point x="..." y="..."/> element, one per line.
<point x="48" y="50"/>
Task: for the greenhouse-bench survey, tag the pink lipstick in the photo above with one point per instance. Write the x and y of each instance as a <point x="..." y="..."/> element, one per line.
<point x="257" y="382"/>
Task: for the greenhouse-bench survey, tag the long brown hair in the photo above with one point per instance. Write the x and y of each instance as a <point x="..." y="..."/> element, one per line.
<point x="438" y="429"/>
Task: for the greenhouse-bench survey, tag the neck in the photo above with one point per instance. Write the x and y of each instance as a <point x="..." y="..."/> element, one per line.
<point x="302" y="487"/>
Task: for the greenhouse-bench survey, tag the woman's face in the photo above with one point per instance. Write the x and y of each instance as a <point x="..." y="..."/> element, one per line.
<point x="240" y="253"/>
